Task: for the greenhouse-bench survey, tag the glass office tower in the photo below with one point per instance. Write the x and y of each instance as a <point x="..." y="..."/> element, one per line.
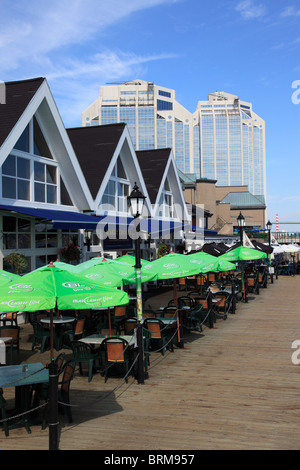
<point x="222" y="140"/>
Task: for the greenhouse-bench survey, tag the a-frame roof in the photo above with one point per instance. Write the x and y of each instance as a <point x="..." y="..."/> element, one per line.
<point x="153" y="165"/>
<point x="17" y="97"/>
<point x="94" y="147"/>
<point x="24" y="100"/>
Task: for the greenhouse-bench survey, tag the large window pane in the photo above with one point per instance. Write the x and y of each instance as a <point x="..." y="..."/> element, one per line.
<point x="8" y="187"/>
<point x="23" y="225"/>
<point x="40" y="145"/>
<point x="24" y="241"/>
<point x="23" y="142"/>
<point x="9" y="241"/>
<point x="51" y="194"/>
<point x="23" y="168"/>
<point x="39" y="171"/>
<point x="40" y="240"/>
<point x="39" y="192"/>
<point x="9" y="166"/>
<point x="50" y="174"/>
<point x="23" y="190"/>
<point x="9" y="224"/>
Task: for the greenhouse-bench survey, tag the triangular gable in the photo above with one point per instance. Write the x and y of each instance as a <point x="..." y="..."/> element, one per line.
<point x="30" y="100"/>
<point x="158" y="167"/>
<point x="98" y="149"/>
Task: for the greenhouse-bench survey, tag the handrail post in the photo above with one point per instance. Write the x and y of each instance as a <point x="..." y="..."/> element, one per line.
<point x="53" y="406"/>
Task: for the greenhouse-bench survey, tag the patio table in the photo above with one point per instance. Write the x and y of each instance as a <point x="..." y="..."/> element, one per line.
<point x="97" y="340"/>
<point x="3" y="339"/>
<point x="22" y="377"/>
<point x="58" y="323"/>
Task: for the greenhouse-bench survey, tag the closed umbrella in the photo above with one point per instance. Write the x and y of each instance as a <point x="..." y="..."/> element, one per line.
<point x="53" y="288"/>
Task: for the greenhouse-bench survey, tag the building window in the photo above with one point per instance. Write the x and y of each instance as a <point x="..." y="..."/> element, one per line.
<point x="166" y="203"/>
<point x="117" y="190"/>
<point x="45" y="183"/>
<point x="16" y="178"/>
<point x="16" y="233"/>
<point x="45" y="236"/>
<point x="164" y="105"/>
<point x="31" y="177"/>
<point x="164" y="93"/>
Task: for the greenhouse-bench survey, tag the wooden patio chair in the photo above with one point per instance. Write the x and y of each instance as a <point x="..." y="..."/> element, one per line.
<point x="117" y="353"/>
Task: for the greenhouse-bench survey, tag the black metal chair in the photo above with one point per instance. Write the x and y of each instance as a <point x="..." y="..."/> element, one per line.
<point x="84" y="353"/>
<point x="3" y="412"/>
<point x="41" y="334"/>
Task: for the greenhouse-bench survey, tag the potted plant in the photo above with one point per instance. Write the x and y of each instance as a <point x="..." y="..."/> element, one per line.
<point x="16" y="261"/>
<point x="71" y="254"/>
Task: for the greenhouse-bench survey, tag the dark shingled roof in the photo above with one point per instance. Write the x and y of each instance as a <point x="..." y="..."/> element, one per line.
<point x="17" y="97"/>
<point x="94" y="147"/>
<point x="153" y="164"/>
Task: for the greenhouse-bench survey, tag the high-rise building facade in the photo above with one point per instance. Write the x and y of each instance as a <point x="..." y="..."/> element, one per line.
<point x="223" y="139"/>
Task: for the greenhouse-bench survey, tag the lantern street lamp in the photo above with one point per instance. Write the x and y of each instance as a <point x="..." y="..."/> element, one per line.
<point x="269" y="227"/>
<point x="88" y="238"/>
<point x="241" y="224"/>
<point x="135" y="204"/>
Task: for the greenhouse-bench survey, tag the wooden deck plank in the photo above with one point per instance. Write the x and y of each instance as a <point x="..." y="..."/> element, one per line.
<point x="232" y="387"/>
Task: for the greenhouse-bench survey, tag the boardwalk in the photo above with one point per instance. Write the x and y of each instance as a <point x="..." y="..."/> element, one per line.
<point x="232" y="387"/>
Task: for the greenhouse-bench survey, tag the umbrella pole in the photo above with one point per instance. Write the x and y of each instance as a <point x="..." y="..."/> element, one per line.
<point x="180" y="341"/>
<point x="51" y="335"/>
<point x="109" y="321"/>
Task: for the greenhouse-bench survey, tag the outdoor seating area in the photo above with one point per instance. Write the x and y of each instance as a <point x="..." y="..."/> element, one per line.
<point x="101" y="342"/>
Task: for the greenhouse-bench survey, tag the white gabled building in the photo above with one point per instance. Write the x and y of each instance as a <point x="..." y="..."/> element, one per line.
<point x="55" y="183"/>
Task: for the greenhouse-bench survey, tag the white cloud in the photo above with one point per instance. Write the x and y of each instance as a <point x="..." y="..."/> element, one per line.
<point x="249" y="10"/>
<point x="290" y="11"/>
<point x="42" y="38"/>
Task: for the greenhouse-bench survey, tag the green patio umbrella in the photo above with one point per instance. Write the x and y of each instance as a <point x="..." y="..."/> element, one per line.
<point x="243" y="253"/>
<point x="129" y="259"/>
<point x="5" y="276"/>
<point x="212" y="263"/>
<point x="61" y="265"/>
<point x="53" y="288"/>
<point x="172" y="266"/>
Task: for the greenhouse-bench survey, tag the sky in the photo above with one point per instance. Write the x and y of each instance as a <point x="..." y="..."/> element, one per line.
<point x="250" y="48"/>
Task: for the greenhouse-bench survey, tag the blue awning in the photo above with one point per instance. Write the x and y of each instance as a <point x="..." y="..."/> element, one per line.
<point x="61" y="219"/>
<point x="67" y="220"/>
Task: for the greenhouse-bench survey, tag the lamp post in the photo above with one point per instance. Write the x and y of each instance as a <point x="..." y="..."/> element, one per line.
<point x="88" y="238"/>
<point x="269" y="227"/>
<point x="135" y="204"/>
<point x="241" y="224"/>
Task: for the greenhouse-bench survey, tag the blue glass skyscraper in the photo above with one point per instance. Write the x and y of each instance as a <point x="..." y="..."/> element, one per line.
<point x="223" y="139"/>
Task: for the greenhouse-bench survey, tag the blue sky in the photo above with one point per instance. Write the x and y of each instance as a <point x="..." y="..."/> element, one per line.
<point x="246" y="47"/>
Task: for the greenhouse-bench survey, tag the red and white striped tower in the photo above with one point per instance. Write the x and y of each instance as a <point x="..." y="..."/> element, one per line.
<point x="277" y="223"/>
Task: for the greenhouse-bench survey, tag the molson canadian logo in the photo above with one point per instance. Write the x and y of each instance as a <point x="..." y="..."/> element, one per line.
<point x="21" y="288"/>
<point x="76" y="286"/>
<point x="171" y="266"/>
<point x="94" y="276"/>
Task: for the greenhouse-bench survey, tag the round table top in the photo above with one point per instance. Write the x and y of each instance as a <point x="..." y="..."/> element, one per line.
<point x="61" y="319"/>
<point x="5" y="339"/>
